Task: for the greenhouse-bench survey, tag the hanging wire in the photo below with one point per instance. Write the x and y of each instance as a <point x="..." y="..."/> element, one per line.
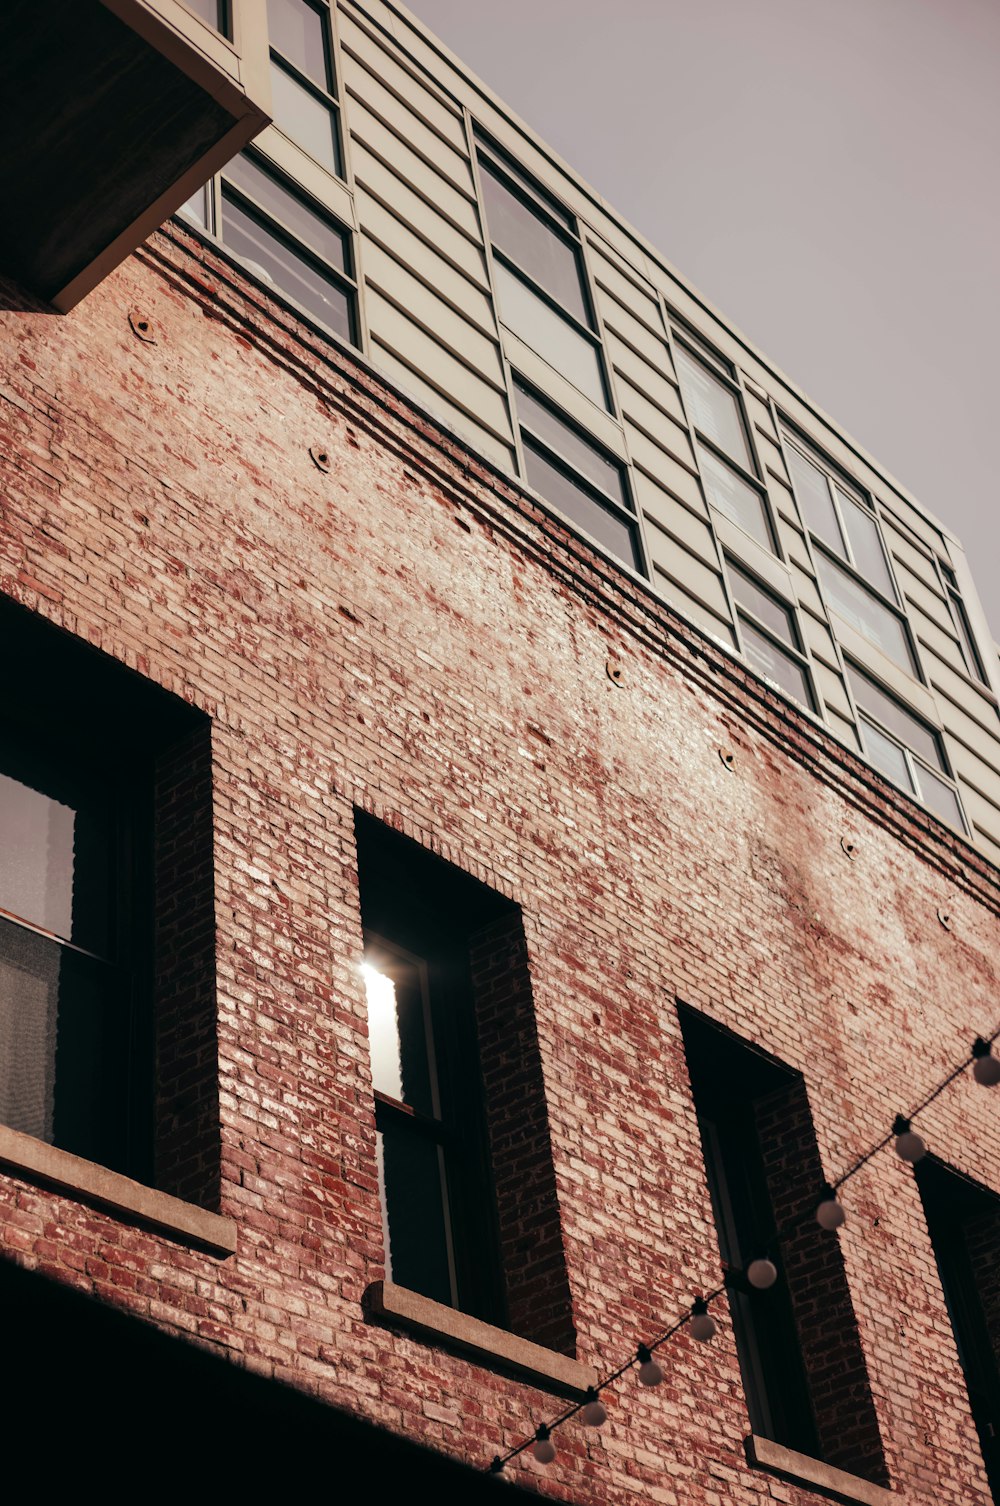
<point x="648" y="1349"/>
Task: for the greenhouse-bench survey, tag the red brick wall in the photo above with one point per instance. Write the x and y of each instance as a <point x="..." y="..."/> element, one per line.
<point x="406" y="633"/>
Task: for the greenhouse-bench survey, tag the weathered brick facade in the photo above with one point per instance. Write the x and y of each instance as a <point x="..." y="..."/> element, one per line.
<point x="399" y="630"/>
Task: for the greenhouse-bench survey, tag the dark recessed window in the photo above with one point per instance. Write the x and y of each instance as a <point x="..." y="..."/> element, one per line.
<point x="963" y="1220"/>
<point x="577" y="476"/>
<point x="771" y="641"/>
<point x="466" y="1186"/>
<point x="540" y="280"/>
<point x="763" y="1170"/>
<point x="302" y="79"/>
<point x="88" y="852"/>
<point x="904" y="748"/>
<point x="284" y="239"/>
<point x="715" y="410"/>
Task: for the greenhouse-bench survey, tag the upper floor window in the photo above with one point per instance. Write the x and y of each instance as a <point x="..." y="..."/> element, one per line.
<point x="540" y="280"/>
<point x="904" y="747"/>
<point x="725" y="458"/>
<point x="577" y="476"/>
<point x="963" y="627"/>
<point x="283" y="237"/>
<point x="302" y="79"/>
<point x="851" y="559"/>
<point x="770" y="636"/>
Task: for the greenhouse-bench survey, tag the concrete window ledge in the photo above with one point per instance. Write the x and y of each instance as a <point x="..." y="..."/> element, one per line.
<point x="395" y="1306"/>
<point x="109" y="1189"/>
<point x="805" y="1471"/>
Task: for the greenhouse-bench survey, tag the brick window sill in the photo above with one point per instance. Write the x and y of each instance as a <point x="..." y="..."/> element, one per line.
<point x="119" y="1194"/>
<point x="397" y="1307"/>
<point x="811" y="1472"/>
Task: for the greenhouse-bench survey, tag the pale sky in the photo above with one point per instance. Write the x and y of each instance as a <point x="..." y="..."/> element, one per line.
<point x="825" y="172"/>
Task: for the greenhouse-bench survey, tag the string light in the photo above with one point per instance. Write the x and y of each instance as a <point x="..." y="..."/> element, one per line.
<point x="703" y="1326"/>
<point x="761" y="1272"/>
<point x="985" y="1066"/>
<point x="593" y="1411"/>
<point x="650" y="1373"/>
<point x="830" y="1212"/>
<point x="909" y="1146"/>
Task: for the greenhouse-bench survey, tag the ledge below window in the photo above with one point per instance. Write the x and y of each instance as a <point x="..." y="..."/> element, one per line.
<point x="805" y="1471"/>
<point x="398" y="1307"/>
<point x="119" y="1194"/>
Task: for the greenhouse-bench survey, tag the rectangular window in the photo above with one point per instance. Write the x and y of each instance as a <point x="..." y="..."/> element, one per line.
<point x="89" y="990"/>
<point x="963" y="1220"/>
<point x="763" y="1171"/>
<point x="464" y="1165"/>
<point x="302" y="79"/>
<point x="540" y="280"/>
<point x="771" y="641"/>
<point x="572" y="472"/>
<point x="904" y="747"/>
<point x="963" y="628"/>
<point x="214" y="12"/>
<point x="715" y="410"/>
<point x="282" y="237"/>
<point x="883" y="626"/>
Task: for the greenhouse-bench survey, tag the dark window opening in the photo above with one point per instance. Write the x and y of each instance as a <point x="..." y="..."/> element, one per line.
<point x="799" y="1350"/>
<point x="963" y="1220"/>
<point x="105" y="842"/>
<point x="466" y="1183"/>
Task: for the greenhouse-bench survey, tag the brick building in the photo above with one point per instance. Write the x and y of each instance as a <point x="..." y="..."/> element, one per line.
<point x="500" y="802"/>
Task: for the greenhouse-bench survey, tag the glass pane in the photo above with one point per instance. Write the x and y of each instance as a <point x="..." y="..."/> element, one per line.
<point x="587" y="458"/>
<point x="869" y="556"/>
<point x="315" y="232"/>
<point x="909" y="728"/>
<point x="55" y="857"/>
<point x="812" y="491"/>
<point x="961" y="622"/>
<point x="747" y="593"/>
<point x="298" y="32"/>
<point x="534" y="245"/>
<point x="552" y="337"/>
<point x="734" y="497"/>
<point x="886" y="755"/>
<point x="253" y="240"/>
<point x="573" y="499"/>
<point x="197" y="208"/>
<point x="940" y="798"/>
<point x="305" y="119"/>
<point x="713" y="408"/>
<point x="866" y="615"/>
<point x="399" y="1033"/>
<point x="212" y="11"/>
<point x="63" y="1047"/>
<point x="770" y="660"/>
<point x="414" y="1202"/>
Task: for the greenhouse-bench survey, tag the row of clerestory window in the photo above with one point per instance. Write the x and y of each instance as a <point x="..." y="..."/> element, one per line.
<point x="545" y="303"/>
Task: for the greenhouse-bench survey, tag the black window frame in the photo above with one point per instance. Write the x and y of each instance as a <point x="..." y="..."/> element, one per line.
<point x="562" y="224"/>
<point x="346" y="280"/>
<point x="698" y="350"/>
<point x="327" y="97"/>
<point x="625" y="513"/>
<point x="967" y="645"/>
<point x="791" y="648"/>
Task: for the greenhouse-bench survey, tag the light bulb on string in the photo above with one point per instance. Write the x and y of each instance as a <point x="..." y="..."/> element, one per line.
<point x="543" y="1448"/>
<point x="702" y="1325"/>
<point x="762" y="1273"/>
<point x="909" y="1145"/>
<point x="985" y="1066"/>
<point x="593" y="1412"/>
<point x="830" y="1213"/>
<point x="650" y="1373"/>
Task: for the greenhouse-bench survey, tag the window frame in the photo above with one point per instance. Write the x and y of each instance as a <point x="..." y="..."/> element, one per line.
<point x="627" y="513"/>
<point x="698" y="350"/>
<point x="795" y="651"/>
<point x="962" y="626"/>
<point x="913" y="760"/>
<point x="347" y="281"/>
<point x="328" y="97"/>
<point x="561" y="223"/>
